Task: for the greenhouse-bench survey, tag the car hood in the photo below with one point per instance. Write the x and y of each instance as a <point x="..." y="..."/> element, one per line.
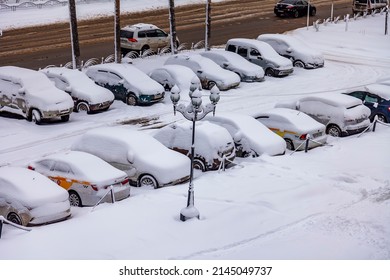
<point x="92" y="93"/>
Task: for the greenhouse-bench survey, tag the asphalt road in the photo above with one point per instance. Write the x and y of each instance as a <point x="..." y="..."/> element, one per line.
<point x="39" y="46"/>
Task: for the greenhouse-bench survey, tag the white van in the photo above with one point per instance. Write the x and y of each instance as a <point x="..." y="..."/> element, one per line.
<point x="262" y="54"/>
<point x="31" y="94"/>
<point x="361" y="6"/>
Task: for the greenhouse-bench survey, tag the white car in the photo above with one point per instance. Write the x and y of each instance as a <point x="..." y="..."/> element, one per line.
<point x="342" y="115"/>
<point x="208" y="71"/>
<point x="145" y="160"/>
<point x="127" y="83"/>
<point x="86" y="177"/>
<point x="171" y="75"/>
<point x="31" y="94"/>
<point x="248" y="72"/>
<point x="261" y="54"/>
<point x="294" y="127"/>
<point x="251" y="137"/>
<point x="29" y="198"/>
<point x="294" y="49"/>
<point x="214" y="145"/>
<point x="87" y="96"/>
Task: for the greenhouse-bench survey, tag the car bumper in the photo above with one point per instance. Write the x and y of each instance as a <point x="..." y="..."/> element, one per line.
<point x="319" y="141"/>
<point x="314" y="65"/>
<point x="283" y="73"/>
<point x="54" y="114"/>
<point x="149" y="99"/>
<point x="100" y="106"/>
<point x="50" y="213"/>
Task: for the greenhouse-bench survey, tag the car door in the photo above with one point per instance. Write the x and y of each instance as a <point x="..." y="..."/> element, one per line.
<point x="12" y="94"/>
<point x="115" y="84"/>
<point x="62" y="174"/>
<point x="371" y="101"/>
<point x="163" y="39"/>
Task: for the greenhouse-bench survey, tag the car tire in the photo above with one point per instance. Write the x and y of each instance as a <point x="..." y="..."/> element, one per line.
<point x="333" y="130"/>
<point x="15" y="218"/>
<point x="381" y="118"/>
<point x="313" y="12"/>
<point x="144" y="48"/>
<point x="147" y="180"/>
<point x="199" y="165"/>
<point x="296" y="14"/>
<point x="131" y="100"/>
<point x="65" y="118"/>
<point x="289" y="144"/>
<point x="299" y="64"/>
<point x="75" y="199"/>
<point x="269" y="72"/>
<point x="82" y="107"/>
<point x="36" y="116"/>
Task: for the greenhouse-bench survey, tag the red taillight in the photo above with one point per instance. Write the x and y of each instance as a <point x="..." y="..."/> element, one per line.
<point x="303" y="137"/>
<point x="290" y="7"/>
<point x="94" y="188"/>
<point x="125" y="181"/>
<point x="132" y="40"/>
<point x="30" y="167"/>
<point x="388" y="109"/>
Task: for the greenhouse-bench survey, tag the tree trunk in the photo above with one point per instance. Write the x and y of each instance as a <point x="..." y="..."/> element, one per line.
<point x="74" y="35"/>
<point x="117" y="32"/>
<point x="172" y="26"/>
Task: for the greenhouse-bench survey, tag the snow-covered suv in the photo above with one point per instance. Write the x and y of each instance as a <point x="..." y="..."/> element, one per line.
<point x="142" y="36"/>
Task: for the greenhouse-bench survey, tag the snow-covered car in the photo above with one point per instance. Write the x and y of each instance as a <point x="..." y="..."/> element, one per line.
<point x="251" y="138"/>
<point x="248" y="72"/>
<point x="261" y="54"/>
<point x="342" y="115"/>
<point x="87" y="96"/>
<point x="214" y="145"/>
<point x="29" y="198"/>
<point x="294" y="49"/>
<point x="86" y="177"/>
<point x="377" y="98"/>
<point x="143" y="36"/>
<point x="294" y="127"/>
<point x="145" y="160"/>
<point x="208" y="71"/>
<point x="127" y="83"/>
<point x="170" y="75"/>
<point x="31" y="94"/>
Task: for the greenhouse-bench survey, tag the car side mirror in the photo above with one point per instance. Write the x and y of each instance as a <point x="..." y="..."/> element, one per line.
<point x="121" y="82"/>
<point x="68" y="89"/>
<point x="259" y="57"/>
<point x="297" y="106"/>
<point x="21" y="91"/>
<point x="289" y="50"/>
<point x="199" y="71"/>
<point x="225" y="65"/>
<point x="237" y="137"/>
<point x="130" y="157"/>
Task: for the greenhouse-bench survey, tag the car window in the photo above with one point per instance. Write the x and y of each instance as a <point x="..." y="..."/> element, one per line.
<point x="242" y="51"/>
<point x="62" y="167"/>
<point x="161" y="33"/>
<point x="371" y="99"/>
<point x="9" y="86"/>
<point x="48" y="164"/>
<point x="255" y="52"/>
<point x="358" y="94"/>
<point x="231" y="48"/>
<point x="151" y="33"/>
<point x="126" y="34"/>
<point x="141" y="34"/>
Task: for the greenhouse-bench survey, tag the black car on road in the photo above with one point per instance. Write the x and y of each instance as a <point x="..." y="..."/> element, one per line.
<point x="294" y="8"/>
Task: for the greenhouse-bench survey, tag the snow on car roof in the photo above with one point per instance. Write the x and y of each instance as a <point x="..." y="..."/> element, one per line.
<point x="380" y="89"/>
<point x="297" y="118"/>
<point x="140" y="26"/>
<point x="334" y="99"/>
<point x="29" y="187"/>
<point x="290" y="40"/>
<point x="266" y="49"/>
<point x="33" y="82"/>
<point x="75" y="77"/>
<point x="232" y="57"/>
<point x="203" y="62"/>
<point x="92" y="168"/>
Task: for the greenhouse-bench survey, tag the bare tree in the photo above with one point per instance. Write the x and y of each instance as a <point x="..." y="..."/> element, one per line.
<point x="74" y="35"/>
<point x="117" y="32"/>
<point x="172" y="26"/>
<point x="208" y="25"/>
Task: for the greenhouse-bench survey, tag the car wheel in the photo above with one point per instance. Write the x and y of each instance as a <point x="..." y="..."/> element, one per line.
<point x="299" y="64"/>
<point x="36" y="116"/>
<point x="289" y="144"/>
<point x="144" y="48"/>
<point x="82" y="107"/>
<point x="296" y="14"/>
<point x="13" y="217"/>
<point x="313" y="12"/>
<point x="147" y="181"/>
<point x="74" y="199"/>
<point x="199" y="164"/>
<point x="381" y="118"/>
<point x="269" y="72"/>
<point x="65" y="118"/>
<point x="333" y="130"/>
<point x="131" y="100"/>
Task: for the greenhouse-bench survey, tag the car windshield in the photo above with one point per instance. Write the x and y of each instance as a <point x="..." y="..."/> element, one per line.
<point x="126" y="34"/>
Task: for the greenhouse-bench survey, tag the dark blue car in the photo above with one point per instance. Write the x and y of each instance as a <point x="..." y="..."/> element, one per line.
<point x="377" y="98"/>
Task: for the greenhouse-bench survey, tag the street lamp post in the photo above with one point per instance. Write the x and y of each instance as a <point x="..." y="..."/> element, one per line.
<point x="194" y="111"/>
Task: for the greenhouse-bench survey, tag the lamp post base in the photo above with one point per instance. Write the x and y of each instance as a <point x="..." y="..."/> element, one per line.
<point x="188" y="213"/>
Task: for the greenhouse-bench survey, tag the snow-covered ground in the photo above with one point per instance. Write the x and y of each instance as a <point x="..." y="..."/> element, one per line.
<point x="330" y="203"/>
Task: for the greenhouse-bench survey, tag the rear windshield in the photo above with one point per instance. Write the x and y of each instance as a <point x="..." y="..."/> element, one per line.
<point x="127" y="34"/>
